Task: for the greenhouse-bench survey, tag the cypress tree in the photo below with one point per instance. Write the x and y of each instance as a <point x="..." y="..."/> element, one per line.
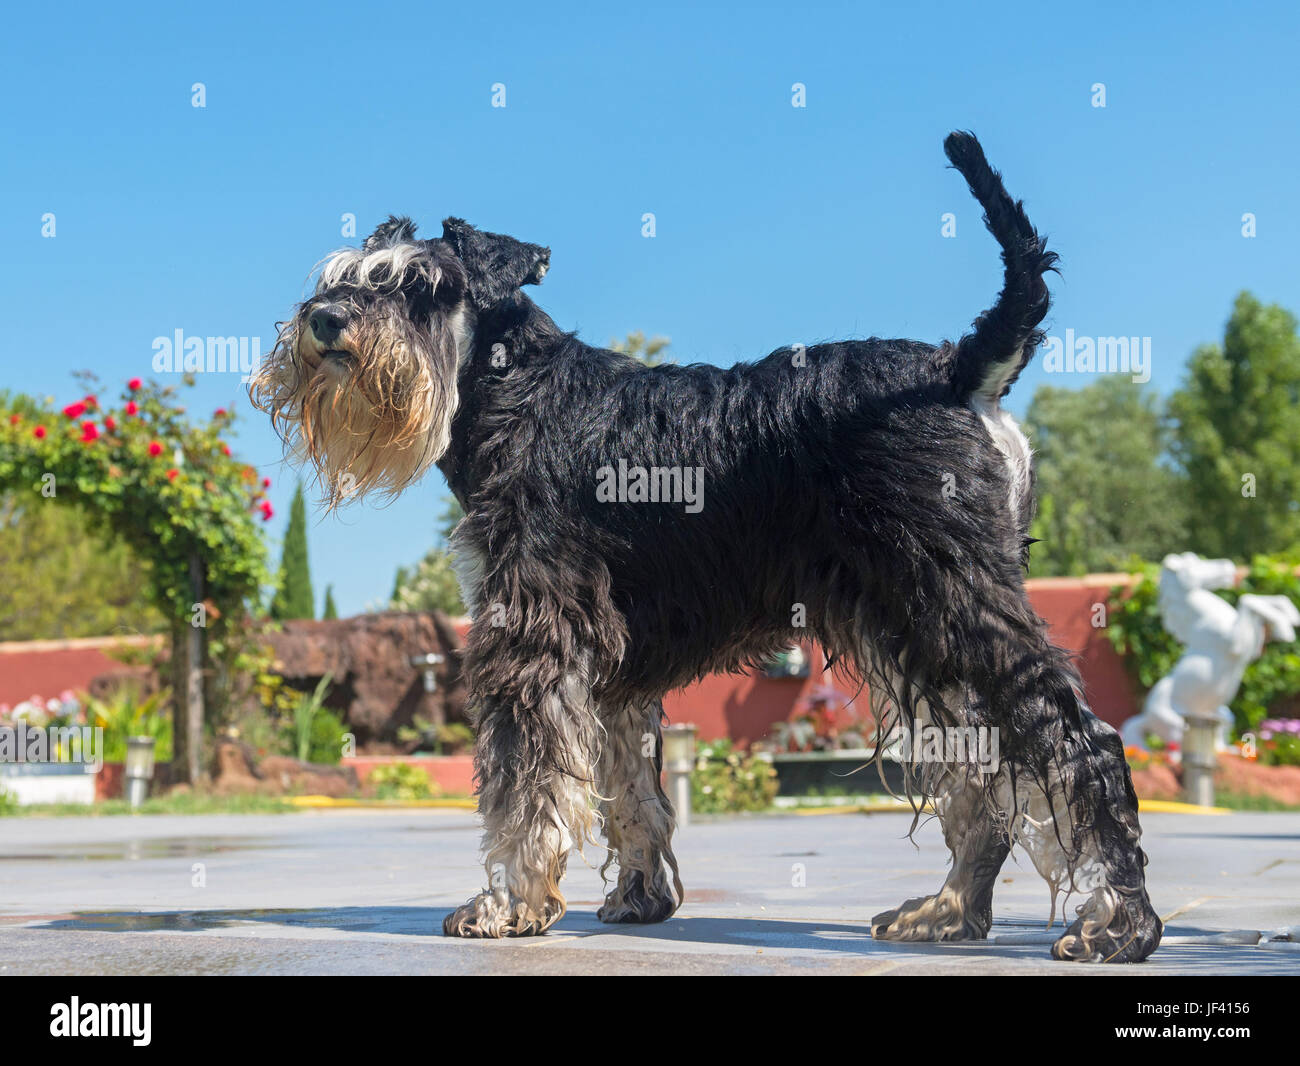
<point x="330" y="611"/>
<point x="293" y="595"/>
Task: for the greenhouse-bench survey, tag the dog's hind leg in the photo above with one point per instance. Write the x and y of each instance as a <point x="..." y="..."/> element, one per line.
<point x="535" y="768"/>
<point x="638" y="819"/>
<point x="963" y="908"/>
<point x="1082" y="834"/>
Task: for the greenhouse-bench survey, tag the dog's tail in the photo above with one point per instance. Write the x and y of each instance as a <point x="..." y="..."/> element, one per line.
<point x="990" y="358"/>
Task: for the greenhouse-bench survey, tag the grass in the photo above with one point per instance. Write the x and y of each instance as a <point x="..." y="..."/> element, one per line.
<point x="184" y="803"/>
<point x="1241" y="802"/>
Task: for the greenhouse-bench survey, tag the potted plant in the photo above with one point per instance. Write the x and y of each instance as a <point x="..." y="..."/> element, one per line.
<point x="828" y="748"/>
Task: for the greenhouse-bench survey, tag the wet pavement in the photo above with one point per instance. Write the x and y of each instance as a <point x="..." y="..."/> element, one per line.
<point x="365" y="891"/>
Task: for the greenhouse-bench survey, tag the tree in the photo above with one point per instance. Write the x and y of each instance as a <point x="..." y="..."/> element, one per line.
<point x="63" y="579"/>
<point x="432" y="584"/>
<point x="170" y="489"/>
<point x="330" y="611"/>
<point x="293" y="595"/>
<point x="1238" y="435"/>
<point x="1106" y="493"/>
<point x="636" y="345"/>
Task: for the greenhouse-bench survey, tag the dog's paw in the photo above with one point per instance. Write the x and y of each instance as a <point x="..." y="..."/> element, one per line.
<point x="1111" y="927"/>
<point x="931" y="918"/>
<point x="492" y="914"/>
<point x="631" y="902"/>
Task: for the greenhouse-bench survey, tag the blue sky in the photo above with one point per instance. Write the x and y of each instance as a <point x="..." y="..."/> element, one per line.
<point x="775" y="224"/>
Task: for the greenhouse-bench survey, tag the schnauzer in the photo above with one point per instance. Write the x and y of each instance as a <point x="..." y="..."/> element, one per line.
<point x="629" y="529"/>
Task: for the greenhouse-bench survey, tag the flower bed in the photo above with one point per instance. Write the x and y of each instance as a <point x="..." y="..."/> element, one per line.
<point x="450" y="775"/>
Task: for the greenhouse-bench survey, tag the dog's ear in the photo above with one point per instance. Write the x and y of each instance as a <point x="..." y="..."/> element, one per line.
<point x="395" y="231"/>
<point x="496" y="264"/>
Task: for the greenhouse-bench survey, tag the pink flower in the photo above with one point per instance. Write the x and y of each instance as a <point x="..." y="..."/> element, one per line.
<point x="134" y="384"/>
<point x="39" y="433"/>
<point x="88" y="432"/>
<point x="75" y="410"/>
<point x="131" y="408"/>
<point x="155" y="448"/>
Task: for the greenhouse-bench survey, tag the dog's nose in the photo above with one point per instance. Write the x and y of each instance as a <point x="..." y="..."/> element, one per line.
<point x="327" y="323"/>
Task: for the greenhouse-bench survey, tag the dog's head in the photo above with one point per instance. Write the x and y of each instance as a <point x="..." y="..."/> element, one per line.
<point x="362" y="379"/>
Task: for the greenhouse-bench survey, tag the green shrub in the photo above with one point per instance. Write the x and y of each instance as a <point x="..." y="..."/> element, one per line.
<point x="325" y="742"/>
<point x="126" y="714"/>
<point x="400" y="781"/>
<point x="1150" y="652"/>
<point x="305" y="712"/>
<point x="726" y="781"/>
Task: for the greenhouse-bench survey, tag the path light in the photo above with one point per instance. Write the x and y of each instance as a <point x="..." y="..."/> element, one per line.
<point x="1199" y="760"/>
<point x="139" y="769"/>
<point x="679" y="763"/>
<point x="428" y="662"/>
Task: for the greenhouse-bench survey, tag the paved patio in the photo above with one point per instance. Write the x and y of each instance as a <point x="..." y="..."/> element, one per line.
<point x="364" y="891"/>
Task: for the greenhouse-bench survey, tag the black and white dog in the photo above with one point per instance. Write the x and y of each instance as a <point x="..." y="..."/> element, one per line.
<point x="629" y="529"/>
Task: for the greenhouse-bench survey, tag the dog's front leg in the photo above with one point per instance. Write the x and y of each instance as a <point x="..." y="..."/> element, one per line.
<point x="638" y="817"/>
<point x="535" y="767"/>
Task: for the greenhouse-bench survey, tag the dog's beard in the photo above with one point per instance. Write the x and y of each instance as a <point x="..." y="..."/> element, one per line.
<point x="375" y="421"/>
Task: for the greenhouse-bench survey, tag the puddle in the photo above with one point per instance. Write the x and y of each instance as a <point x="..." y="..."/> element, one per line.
<point x="134" y="850"/>
<point x="411" y="920"/>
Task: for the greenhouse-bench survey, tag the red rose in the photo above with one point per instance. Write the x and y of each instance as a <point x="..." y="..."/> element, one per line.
<point x="39" y="432"/>
<point x="133" y="384"/>
<point x="75" y="410"/>
<point x="267" y="511"/>
<point x="91" y="402"/>
<point x="221" y="412"/>
<point x="155" y="448"/>
<point x="110" y="424"/>
<point x="88" y="432"/>
<point x="266" y="482"/>
<point x="172" y="475"/>
<point x="225" y="449"/>
<point x="131" y="408"/>
<point x="15" y="419"/>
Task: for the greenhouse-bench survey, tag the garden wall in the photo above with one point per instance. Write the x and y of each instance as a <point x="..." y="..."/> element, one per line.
<point x="49" y="667"/>
<point x="740" y="707"/>
<point x="744" y="708"/>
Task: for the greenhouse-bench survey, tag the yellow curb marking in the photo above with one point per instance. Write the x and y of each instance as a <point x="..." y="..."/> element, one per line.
<point x="1174" y="807"/>
<point x="330" y="801"/>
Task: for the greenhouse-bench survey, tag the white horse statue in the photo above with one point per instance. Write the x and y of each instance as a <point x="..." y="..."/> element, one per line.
<point x="1220" y="643"/>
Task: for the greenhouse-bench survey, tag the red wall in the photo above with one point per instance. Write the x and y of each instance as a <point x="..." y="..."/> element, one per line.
<point x="745" y="708"/>
<point x="47" y="667"/>
<point x="722" y="705"/>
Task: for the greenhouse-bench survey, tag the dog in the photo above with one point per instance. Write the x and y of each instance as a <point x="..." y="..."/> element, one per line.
<point x="629" y="529"/>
